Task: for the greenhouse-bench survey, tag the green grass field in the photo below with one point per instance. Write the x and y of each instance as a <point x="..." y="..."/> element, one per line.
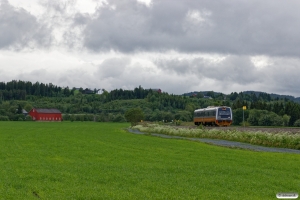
<point x="81" y="160"/>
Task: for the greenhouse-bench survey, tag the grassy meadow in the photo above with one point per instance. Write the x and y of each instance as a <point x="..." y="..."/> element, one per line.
<point x="86" y="160"/>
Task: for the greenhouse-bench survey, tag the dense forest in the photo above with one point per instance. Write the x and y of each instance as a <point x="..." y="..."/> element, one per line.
<point x="80" y="104"/>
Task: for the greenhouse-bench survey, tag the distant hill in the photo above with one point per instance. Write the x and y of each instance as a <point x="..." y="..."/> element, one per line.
<point x="205" y="93"/>
<point x="273" y="96"/>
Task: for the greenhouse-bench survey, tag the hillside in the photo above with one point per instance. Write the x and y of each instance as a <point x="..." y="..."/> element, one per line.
<point x="257" y="93"/>
<point x="90" y="105"/>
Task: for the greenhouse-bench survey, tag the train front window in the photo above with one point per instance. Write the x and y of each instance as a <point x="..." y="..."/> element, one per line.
<point x="224" y="112"/>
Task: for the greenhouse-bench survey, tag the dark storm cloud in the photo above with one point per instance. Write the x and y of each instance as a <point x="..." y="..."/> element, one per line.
<point x="19" y="28"/>
<point x="233" y="27"/>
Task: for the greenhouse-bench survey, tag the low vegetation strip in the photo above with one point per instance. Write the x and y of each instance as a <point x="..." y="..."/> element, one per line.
<point x="225" y="143"/>
<point x="280" y="139"/>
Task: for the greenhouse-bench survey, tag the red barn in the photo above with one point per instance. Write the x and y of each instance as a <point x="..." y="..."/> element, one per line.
<point x="42" y="114"/>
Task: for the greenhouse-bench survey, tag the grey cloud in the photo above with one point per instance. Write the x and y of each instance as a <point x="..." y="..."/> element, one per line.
<point x="19" y="28"/>
<point x="70" y="78"/>
<point x="283" y="76"/>
<point x="232" y="69"/>
<point x="113" y="67"/>
<point x="56" y="5"/>
<point x="177" y="66"/>
<point x="234" y="27"/>
<point x="81" y="19"/>
<point x="230" y="75"/>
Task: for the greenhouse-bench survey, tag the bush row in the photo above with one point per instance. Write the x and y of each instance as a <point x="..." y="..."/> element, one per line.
<point x="96" y="118"/>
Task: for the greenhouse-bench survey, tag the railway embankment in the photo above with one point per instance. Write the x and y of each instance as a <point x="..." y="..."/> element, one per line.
<point x="230" y="136"/>
<point x="253" y="129"/>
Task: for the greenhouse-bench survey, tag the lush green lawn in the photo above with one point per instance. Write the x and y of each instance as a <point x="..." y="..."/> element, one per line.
<point x="81" y="160"/>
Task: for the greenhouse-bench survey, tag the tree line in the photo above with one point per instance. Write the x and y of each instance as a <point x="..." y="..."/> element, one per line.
<point x="19" y="90"/>
<point x="80" y="105"/>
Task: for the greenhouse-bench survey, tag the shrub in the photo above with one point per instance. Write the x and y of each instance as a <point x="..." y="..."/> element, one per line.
<point x="183" y="116"/>
<point x="28" y="118"/>
<point x="4" y="118"/>
<point x="252" y="119"/>
<point x="66" y="117"/>
<point x="246" y="124"/>
<point x="286" y="119"/>
<point x="177" y="122"/>
<point x="238" y="115"/>
<point x="102" y="118"/>
<point x="297" y="123"/>
<point x="72" y="118"/>
<point x="119" y="118"/>
<point x="134" y="116"/>
<point x="277" y="121"/>
<point x="265" y="120"/>
<point x="88" y="117"/>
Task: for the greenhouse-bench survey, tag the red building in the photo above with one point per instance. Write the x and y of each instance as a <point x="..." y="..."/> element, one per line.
<point x="156" y="90"/>
<point x="42" y="114"/>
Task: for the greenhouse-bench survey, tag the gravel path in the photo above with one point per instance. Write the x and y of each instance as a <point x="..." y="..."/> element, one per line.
<point x="225" y="143"/>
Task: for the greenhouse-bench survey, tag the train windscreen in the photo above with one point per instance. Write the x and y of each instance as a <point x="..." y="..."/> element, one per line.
<point x="224" y="112"/>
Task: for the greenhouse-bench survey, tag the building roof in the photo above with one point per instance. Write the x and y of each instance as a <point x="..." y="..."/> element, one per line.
<point x="46" y="110"/>
<point x="154" y="89"/>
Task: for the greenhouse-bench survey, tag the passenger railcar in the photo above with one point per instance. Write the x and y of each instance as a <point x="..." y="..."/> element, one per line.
<point x="214" y="116"/>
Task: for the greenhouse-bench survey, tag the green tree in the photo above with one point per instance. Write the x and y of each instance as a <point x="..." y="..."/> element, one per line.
<point x="19" y="111"/>
<point x="286" y="120"/>
<point x="28" y="107"/>
<point x="199" y="95"/>
<point x="134" y="116"/>
<point x="265" y="120"/>
<point x="238" y="116"/>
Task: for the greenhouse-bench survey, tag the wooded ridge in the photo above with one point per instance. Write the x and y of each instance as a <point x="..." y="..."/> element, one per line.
<point x="100" y="105"/>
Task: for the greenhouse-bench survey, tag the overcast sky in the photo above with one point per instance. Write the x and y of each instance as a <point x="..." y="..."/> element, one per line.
<point x="177" y="46"/>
